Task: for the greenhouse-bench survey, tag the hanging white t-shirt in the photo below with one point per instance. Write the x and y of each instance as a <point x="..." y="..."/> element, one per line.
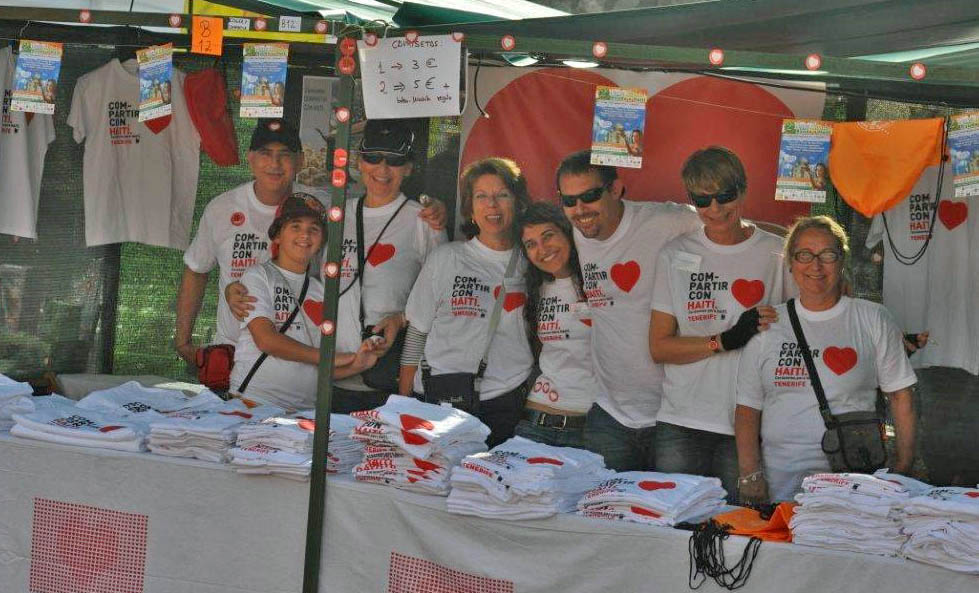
<point x="234" y="235"/>
<point x="24" y="139"/>
<point x="856" y="347"/>
<point x="452" y="301"/>
<point x="392" y="268"/>
<point x="284" y="383"/>
<point x="567" y="380"/>
<point x="706" y="287"/>
<point x="618" y="274"/>
<point x="140" y="178"/>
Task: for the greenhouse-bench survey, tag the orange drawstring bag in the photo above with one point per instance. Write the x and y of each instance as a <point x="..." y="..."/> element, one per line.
<point x="745" y="521"/>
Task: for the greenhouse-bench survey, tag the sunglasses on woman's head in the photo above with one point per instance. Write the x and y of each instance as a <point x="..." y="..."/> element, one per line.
<point x="704" y="200"/>
<point x="375" y="158"/>
<point x="586" y="197"/>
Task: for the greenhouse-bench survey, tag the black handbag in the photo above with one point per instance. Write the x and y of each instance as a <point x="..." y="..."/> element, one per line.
<point x="853" y="441"/>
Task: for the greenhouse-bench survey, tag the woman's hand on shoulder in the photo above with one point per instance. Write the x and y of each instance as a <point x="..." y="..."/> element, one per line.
<point x="238" y="300"/>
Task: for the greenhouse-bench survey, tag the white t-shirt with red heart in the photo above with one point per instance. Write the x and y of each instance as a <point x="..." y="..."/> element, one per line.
<point x="452" y="302"/>
<point x="856" y="348"/>
<point x="288" y="384"/>
<point x="618" y="278"/>
<point x="706" y="287"/>
<point x="567" y="380"/>
<point x="392" y="268"/>
<point x="140" y="178"/>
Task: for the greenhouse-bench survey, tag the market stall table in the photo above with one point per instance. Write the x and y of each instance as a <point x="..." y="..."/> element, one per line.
<point x="87" y="516"/>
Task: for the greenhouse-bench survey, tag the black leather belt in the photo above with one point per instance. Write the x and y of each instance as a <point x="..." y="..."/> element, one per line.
<point x="556" y="421"/>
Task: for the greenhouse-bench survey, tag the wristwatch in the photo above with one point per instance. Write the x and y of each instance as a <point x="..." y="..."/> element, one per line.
<point x="714" y="344"/>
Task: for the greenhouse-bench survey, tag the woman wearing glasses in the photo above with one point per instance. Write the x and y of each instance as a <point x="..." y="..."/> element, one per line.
<point x="856" y="347"/>
<point x="714" y="290"/>
<point x="451" y="307"/>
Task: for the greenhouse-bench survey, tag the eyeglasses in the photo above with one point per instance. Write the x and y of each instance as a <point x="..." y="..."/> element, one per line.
<point x="393" y="160"/>
<point x="586" y="197"/>
<point x="826" y="256"/>
<point x="704" y="200"/>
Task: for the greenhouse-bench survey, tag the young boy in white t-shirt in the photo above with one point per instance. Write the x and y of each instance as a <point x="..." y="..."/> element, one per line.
<point x="287" y="375"/>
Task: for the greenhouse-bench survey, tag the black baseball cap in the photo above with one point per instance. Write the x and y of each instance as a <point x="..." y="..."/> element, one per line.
<point x="275" y="130"/>
<point x="393" y="136"/>
<point x="298" y="205"/>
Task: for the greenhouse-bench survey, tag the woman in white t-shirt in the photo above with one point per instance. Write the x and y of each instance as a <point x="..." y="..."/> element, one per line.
<point x="856" y="348"/>
<point x="714" y="290"/>
<point x="451" y="306"/>
<point x="279" y="367"/>
<point x="559" y="328"/>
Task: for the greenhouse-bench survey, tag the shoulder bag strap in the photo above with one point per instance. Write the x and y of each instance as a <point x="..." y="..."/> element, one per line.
<point x="282" y="330"/>
<point x="361" y="257"/>
<point x="497" y="310"/>
<point x="828" y="419"/>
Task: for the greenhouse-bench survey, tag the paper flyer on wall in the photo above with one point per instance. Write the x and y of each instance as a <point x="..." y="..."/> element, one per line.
<point x="263" y="79"/>
<point x="155" y="75"/>
<point x="963" y="146"/>
<point x="618" y="126"/>
<point x="803" y="157"/>
<point x="36" y="76"/>
<point x="315" y="128"/>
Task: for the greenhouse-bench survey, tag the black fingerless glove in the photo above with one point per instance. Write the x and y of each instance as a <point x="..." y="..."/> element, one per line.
<point x="743" y="330"/>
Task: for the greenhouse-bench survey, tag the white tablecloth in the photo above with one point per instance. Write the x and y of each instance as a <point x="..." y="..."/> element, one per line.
<point x="210" y="530"/>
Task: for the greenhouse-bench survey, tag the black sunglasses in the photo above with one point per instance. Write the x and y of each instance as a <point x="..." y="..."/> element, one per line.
<point x="375" y="158"/>
<point x="704" y="200"/>
<point x="586" y="197"/>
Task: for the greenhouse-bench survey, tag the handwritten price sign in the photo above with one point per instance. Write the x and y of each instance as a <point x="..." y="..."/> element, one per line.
<point x="206" y="35"/>
<point x="411" y="77"/>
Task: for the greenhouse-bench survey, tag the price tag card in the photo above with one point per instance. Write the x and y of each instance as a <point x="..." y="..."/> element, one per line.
<point x="404" y="78"/>
<point x="36" y="77"/>
<point x="206" y="35"/>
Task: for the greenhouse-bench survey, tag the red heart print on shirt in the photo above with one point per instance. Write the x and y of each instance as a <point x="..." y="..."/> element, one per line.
<point x="651" y="485"/>
<point x="625" y="275"/>
<point x="158" y="124"/>
<point x="426" y="465"/>
<point x="973" y="494"/>
<point x="409" y="422"/>
<point x="413" y="439"/>
<point x="586" y="322"/>
<point x="840" y="360"/>
<point x="748" y="292"/>
<point x="952" y="214"/>
<point x="314" y="310"/>
<point x="512" y="300"/>
<point x="307" y="424"/>
<point x="110" y="428"/>
<point x="646" y="512"/>
<point x="548" y="460"/>
<point x="380" y="254"/>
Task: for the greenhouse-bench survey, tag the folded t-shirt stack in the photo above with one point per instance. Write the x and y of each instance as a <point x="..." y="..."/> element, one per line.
<point x="283" y="445"/>
<point x="522" y="479"/>
<point x="58" y="420"/>
<point x="413" y="445"/>
<point x="138" y="403"/>
<point x="850" y="511"/>
<point x="943" y="528"/>
<point x="654" y="498"/>
<point x="207" y="434"/>
<point x="15" y="398"/>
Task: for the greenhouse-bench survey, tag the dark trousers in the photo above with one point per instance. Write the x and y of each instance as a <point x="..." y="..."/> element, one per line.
<point x="501" y="414"/>
<point x="347" y="400"/>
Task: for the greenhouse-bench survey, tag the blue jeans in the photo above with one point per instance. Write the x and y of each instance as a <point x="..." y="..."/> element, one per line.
<point x="551" y="436"/>
<point x="624" y="448"/>
<point x="683" y="450"/>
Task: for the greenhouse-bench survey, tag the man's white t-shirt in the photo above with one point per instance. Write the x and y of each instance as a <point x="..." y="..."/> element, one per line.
<point x="392" y="268"/>
<point x="140" y="178"/>
<point x="706" y="287"/>
<point x="452" y="301"/>
<point x="284" y="383"/>
<point x="618" y="275"/>
<point x="24" y="139"/>
<point x="567" y="380"/>
<point x="234" y="235"/>
<point x="856" y="348"/>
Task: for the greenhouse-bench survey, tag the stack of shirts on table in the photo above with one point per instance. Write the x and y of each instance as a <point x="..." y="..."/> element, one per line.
<point x="654" y="498"/>
<point x="856" y="512"/>
<point x="522" y="479"/>
<point x="207" y="434"/>
<point x="943" y="528"/>
<point x="283" y="445"/>
<point x="15" y="398"/>
<point x="414" y="445"/>
<point x="58" y="420"/>
<point x="145" y="404"/>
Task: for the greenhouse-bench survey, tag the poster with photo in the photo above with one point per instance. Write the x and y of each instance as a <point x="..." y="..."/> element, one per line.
<point x="803" y="157"/>
<point x="263" y="79"/>
<point x="155" y="76"/>
<point x="36" y="76"/>
<point x="963" y="147"/>
<point x="618" y="126"/>
<point x="316" y="128"/>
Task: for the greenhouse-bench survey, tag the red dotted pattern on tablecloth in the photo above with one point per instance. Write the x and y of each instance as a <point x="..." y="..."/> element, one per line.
<point x="82" y="549"/>
<point x="408" y="574"/>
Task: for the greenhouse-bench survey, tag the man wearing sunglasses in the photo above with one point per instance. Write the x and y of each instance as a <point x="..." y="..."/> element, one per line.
<point x="618" y="244"/>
